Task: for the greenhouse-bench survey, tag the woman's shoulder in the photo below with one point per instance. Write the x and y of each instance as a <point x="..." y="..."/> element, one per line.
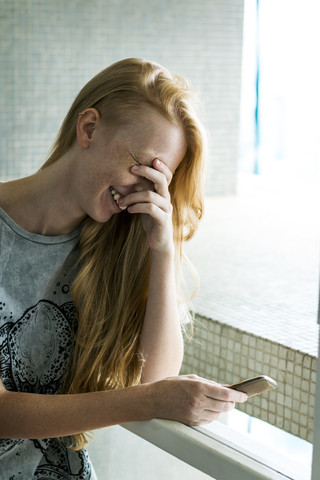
<point x="4" y="192"/>
<point x="8" y="191"/>
<point x="7" y="200"/>
<point x="12" y="197"/>
<point x="6" y="187"/>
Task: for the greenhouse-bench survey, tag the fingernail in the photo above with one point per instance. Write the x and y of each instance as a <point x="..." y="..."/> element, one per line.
<point x="135" y="168"/>
<point x="157" y="162"/>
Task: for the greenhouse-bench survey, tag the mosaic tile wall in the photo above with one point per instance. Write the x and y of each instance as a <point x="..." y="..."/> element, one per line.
<point x="226" y="354"/>
<point x="50" y="49"/>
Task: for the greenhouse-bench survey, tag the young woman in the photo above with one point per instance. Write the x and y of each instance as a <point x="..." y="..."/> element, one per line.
<point x="91" y="244"/>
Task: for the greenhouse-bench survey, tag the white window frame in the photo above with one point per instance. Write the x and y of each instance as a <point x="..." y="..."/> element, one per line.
<point x="316" y="422"/>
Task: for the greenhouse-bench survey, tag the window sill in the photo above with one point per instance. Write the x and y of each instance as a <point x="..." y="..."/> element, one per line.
<point x="219" y="451"/>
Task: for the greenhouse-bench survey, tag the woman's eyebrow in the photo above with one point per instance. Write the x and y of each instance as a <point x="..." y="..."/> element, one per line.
<point x="135" y="158"/>
<point x="140" y="163"/>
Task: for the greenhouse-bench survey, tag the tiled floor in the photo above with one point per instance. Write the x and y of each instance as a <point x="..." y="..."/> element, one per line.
<point x="257" y="255"/>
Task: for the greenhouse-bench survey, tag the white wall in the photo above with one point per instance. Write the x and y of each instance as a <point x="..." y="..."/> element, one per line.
<point x="50" y="49"/>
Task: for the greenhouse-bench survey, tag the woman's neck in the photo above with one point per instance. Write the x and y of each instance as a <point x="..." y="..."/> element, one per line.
<point x="43" y="203"/>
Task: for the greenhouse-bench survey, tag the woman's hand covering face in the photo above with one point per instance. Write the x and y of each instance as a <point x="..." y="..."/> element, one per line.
<point x="154" y="205"/>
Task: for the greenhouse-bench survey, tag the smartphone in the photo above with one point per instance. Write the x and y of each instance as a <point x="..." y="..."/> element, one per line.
<point x="254" y="386"/>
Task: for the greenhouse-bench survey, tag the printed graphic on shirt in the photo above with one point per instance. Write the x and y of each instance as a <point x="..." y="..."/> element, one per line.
<point x="35" y="349"/>
<point x="34" y="352"/>
<point x="58" y="463"/>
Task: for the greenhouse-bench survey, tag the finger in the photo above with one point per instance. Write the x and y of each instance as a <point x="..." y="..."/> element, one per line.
<point x="158" y="215"/>
<point x="193" y="376"/>
<point x="146" y="196"/>
<point x="163" y="168"/>
<point x="217" y="391"/>
<point x="219" y="406"/>
<point x="224" y="394"/>
<point x="157" y="178"/>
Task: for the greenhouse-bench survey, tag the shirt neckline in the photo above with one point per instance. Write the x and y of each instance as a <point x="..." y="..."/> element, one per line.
<point x="35" y="237"/>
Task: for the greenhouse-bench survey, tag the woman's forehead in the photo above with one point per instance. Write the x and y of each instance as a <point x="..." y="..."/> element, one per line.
<point x="149" y="135"/>
<point x="155" y="136"/>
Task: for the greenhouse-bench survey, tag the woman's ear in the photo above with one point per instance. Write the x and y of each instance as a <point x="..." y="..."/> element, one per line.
<point x="87" y="123"/>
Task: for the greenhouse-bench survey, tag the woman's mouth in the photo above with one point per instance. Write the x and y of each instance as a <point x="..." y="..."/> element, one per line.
<point x="116" y="197"/>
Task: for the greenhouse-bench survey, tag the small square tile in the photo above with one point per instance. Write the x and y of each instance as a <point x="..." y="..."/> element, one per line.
<point x="295" y="429"/>
<point x="272" y="418"/>
<point x="288" y="390"/>
<point x="304" y="408"/>
<point x="299" y="358"/>
<point x="290" y="366"/>
<point x="303" y="432"/>
<point x="274" y="361"/>
<point x="245" y="351"/>
<point x="224" y="342"/>
<point x="279" y="422"/>
<point x="307" y="361"/>
<point x="290" y="355"/>
<point x="296" y="417"/>
<point x="266" y="358"/>
<point x="287" y="413"/>
<point x="288" y="403"/>
<point x="303" y="420"/>
<point x="306" y="373"/>
<point x="298" y="370"/>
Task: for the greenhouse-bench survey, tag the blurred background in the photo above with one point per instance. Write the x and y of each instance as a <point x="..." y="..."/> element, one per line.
<point x="49" y="50"/>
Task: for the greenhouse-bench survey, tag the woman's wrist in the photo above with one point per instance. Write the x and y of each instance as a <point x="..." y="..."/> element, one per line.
<point x="141" y="401"/>
<point x="163" y="254"/>
<point x="150" y="400"/>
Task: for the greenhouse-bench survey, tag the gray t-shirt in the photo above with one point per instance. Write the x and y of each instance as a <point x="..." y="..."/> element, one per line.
<point x="36" y="313"/>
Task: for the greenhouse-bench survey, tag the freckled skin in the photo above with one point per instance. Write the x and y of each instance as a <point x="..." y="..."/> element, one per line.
<point x="108" y="161"/>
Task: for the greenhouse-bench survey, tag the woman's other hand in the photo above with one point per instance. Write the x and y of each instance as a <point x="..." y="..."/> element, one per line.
<point x="192" y="400"/>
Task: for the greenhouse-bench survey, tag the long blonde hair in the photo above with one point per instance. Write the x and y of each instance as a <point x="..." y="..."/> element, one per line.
<point x="111" y="287"/>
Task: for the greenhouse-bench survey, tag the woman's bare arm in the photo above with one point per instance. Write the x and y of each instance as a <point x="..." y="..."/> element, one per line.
<point x="161" y="338"/>
<point x="28" y="415"/>
<point x="188" y="399"/>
